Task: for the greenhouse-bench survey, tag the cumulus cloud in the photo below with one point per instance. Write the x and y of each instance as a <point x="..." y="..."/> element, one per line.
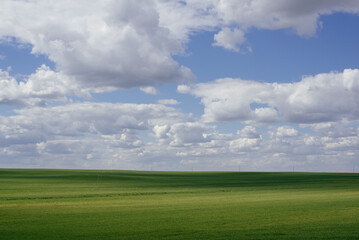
<point x="244" y="145"/>
<point x="100" y="44"/>
<point x="308" y="101"/>
<point x="37" y="124"/>
<point x="229" y="39"/>
<point x="334" y="129"/>
<point x="184" y="17"/>
<point x="180" y="134"/>
<point x="83" y="134"/>
<point x="302" y="16"/>
<point x="230" y="99"/>
<point x="123" y="44"/>
<point x="149" y="90"/>
<point x="168" y="101"/>
<point x="248" y="132"/>
<point x="37" y="88"/>
<point x="188" y="133"/>
<point x="141" y="136"/>
<point x="286" y="131"/>
<point x="161" y="131"/>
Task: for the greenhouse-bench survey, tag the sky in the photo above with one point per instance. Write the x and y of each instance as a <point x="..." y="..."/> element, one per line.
<point x="210" y="85"/>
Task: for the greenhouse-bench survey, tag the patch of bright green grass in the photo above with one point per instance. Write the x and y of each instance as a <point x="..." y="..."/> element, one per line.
<point x="84" y="204"/>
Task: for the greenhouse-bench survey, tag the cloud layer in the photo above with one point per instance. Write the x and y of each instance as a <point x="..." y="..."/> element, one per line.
<point x="144" y="136"/>
<point x="38" y="88"/>
<point x="308" y="101"/>
<point x="101" y="46"/>
<point x="123" y="44"/>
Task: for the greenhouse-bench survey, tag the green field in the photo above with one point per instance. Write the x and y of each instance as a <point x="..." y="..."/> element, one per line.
<point x="84" y="204"/>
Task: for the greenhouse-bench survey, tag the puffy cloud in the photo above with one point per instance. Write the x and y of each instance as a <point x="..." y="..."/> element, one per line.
<point x="299" y="15"/>
<point x="227" y="99"/>
<point x="100" y="44"/>
<point x="168" y="101"/>
<point x="39" y="87"/>
<point x="231" y="99"/>
<point x="83" y="134"/>
<point x="286" y="131"/>
<point x="183" y="133"/>
<point x="127" y="138"/>
<point x="184" y="17"/>
<point x="149" y="90"/>
<point x="334" y="129"/>
<point x="308" y="101"/>
<point x="106" y="135"/>
<point x="123" y="44"/>
<point x="34" y="125"/>
<point x="161" y="131"/>
<point x="183" y="89"/>
<point x="229" y="39"/>
<point x="248" y="139"/>
<point x="311" y="100"/>
<point x="342" y="143"/>
<point x="244" y="145"/>
<point x="248" y="132"/>
<point x="54" y="147"/>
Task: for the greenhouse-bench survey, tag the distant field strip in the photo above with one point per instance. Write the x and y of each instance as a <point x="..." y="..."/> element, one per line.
<point x="96" y="204"/>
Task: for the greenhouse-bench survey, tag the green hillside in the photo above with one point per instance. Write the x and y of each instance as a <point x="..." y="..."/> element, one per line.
<point x="95" y="204"/>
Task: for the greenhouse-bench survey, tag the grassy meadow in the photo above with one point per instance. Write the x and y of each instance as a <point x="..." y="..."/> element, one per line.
<point x="96" y="204"/>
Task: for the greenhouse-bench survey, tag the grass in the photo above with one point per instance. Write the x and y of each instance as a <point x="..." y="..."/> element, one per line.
<point x="87" y="204"/>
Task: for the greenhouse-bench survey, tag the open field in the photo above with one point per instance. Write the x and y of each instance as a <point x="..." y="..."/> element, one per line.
<point x="83" y="204"/>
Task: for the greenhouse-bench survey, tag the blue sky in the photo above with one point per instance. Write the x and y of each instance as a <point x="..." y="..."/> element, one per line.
<point x="280" y="55"/>
<point x="169" y="86"/>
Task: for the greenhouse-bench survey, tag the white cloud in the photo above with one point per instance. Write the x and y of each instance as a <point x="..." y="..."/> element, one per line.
<point x="183" y="89"/>
<point x="189" y="162"/>
<point x="161" y="131"/>
<point x="123" y="44"/>
<point x="248" y="132"/>
<point x="334" y="129"/>
<point x="286" y="131"/>
<point x="229" y="39"/>
<point x="296" y="14"/>
<point x="185" y="133"/>
<point x="38" y="124"/>
<point x="39" y="87"/>
<point x="128" y="138"/>
<point x="168" y="101"/>
<point x="106" y="135"/>
<point x="185" y="17"/>
<point x="342" y="143"/>
<point x="308" y="101"/>
<point x="229" y="99"/>
<point x="99" y="44"/>
<point x="65" y="136"/>
<point x="149" y="90"/>
<point x="244" y="145"/>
